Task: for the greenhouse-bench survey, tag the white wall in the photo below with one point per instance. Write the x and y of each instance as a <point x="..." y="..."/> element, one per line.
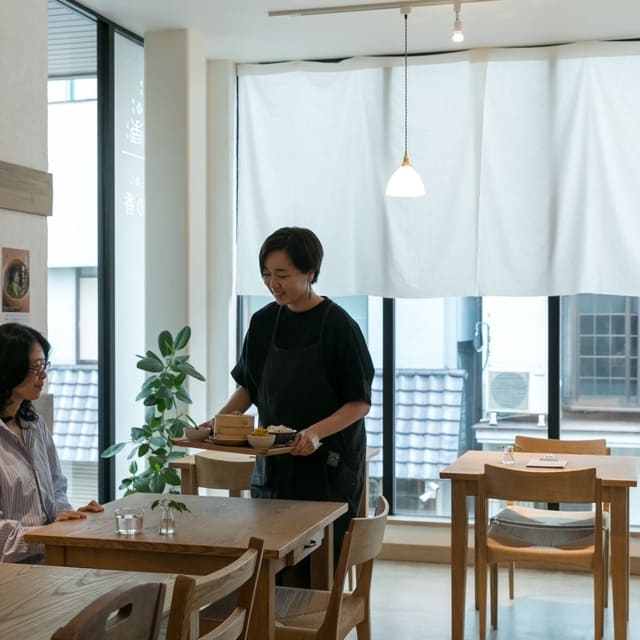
<point x="23" y="130"/>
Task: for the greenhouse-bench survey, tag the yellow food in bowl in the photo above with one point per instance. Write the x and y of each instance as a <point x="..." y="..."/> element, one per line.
<point x="260" y="432"/>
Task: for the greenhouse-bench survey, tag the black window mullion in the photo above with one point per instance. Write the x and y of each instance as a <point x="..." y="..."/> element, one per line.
<point x="553" y="378"/>
<point x="388" y="401"/>
<point x="106" y="248"/>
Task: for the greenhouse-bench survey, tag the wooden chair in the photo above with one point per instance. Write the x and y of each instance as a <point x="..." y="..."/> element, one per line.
<point x="191" y="594"/>
<point x="570" y="519"/>
<point x="216" y="470"/>
<point x="561" y="486"/>
<point x="330" y="615"/>
<point x="126" y="613"/>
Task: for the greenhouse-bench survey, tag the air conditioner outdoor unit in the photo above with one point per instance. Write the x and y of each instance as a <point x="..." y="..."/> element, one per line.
<point x="517" y="392"/>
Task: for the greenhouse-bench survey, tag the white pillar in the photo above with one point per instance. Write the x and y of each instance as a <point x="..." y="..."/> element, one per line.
<point x="221" y="181"/>
<point x="174" y="175"/>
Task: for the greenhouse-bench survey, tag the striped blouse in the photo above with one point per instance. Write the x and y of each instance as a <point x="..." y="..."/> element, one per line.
<point x="33" y="490"/>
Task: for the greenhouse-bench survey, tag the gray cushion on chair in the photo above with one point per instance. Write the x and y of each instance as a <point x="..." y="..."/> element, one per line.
<point x="527" y="527"/>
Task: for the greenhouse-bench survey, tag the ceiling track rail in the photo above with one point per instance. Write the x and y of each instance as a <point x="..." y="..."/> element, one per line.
<point x="372" y="6"/>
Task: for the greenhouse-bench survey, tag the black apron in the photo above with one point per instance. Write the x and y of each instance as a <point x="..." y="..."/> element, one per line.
<point x="295" y="391"/>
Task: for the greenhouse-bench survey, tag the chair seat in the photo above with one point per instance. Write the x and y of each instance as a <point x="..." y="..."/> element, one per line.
<point x="299" y="610"/>
<point x="525" y="526"/>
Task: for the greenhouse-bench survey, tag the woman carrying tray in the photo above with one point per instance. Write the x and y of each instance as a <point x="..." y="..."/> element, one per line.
<point x="305" y="364"/>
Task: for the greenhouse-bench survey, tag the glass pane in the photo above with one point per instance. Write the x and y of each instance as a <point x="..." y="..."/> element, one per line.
<point x="600" y="394"/>
<point x="437" y="399"/>
<point x="72" y="301"/>
<point x="129" y="237"/>
<point x="515" y="369"/>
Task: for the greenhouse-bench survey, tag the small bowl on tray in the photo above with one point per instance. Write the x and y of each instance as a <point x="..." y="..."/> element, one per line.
<point x="261" y="441"/>
<point x="196" y="435"/>
<point x="284" y="435"/>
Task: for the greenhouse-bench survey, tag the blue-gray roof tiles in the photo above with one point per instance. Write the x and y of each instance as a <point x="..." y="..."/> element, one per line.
<point x="75" y="411"/>
<point x="428" y="417"/>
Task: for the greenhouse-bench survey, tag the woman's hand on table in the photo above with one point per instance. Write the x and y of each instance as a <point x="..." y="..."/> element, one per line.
<point x="305" y="443"/>
<point x="92" y="507"/>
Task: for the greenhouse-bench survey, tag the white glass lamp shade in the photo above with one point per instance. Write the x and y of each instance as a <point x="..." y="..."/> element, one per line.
<point x="405" y="182"/>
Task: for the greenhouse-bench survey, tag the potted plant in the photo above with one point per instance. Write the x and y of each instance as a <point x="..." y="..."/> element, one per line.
<point x="164" y="396"/>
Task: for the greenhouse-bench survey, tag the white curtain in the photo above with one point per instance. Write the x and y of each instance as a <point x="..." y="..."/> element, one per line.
<point x="529" y="157"/>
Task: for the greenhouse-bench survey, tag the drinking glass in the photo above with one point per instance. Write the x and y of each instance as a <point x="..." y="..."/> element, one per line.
<point x="129" y="521"/>
<point x="507" y="455"/>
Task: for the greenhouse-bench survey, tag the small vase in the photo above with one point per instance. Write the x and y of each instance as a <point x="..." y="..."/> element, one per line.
<point x="167" y="520"/>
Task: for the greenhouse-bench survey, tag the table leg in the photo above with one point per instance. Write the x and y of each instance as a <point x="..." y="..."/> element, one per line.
<point x="188" y="480"/>
<point x="263" y="616"/>
<point x="322" y="562"/>
<point x="619" y="500"/>
<point x="459" y="526"/>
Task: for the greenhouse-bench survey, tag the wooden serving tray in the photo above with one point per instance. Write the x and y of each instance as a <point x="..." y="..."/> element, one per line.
<point x="247" y="449"/>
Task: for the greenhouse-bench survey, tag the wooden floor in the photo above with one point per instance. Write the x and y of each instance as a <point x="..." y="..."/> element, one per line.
<point x="411" y="601"/>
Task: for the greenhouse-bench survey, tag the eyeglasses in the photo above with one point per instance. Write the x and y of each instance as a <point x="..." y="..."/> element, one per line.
<point x="41" y="368"/>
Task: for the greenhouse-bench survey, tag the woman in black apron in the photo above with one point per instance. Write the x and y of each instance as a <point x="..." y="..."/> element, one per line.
<point x="305" y="365"/>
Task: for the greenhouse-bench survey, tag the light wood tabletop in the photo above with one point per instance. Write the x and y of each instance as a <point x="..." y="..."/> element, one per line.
<point x="617" y="473"/>
<point x="216" y="530"/>
<point x="37" y="600"/>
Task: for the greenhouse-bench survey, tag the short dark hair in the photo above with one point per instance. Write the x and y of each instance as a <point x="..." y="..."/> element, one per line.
<point x="16" y="342"/>
<point x="300" y="244"/>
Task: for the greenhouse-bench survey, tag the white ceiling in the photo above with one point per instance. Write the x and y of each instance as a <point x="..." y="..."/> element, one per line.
<point x="241" y="30"/>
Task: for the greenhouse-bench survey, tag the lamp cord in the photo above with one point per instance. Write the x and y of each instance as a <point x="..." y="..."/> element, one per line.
<point x="405" y="85"/>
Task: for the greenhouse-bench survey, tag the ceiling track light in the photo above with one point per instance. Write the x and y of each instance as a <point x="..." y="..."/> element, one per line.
<point x="458" y="35"/>
<point x="405" y="181"/>
<point x="372" y="6"/>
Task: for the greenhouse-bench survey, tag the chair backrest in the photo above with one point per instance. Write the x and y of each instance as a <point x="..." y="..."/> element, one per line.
<point x="596" y="447"/>
<point x="126" y="613"/>
<point x="362" y="544"/>
<point x="233" y="475"/>
<point x="190" y="594"/>
<point x="528" y="485"/>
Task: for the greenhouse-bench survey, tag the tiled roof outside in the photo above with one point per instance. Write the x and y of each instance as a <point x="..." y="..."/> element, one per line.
<point x="429" y="416"/>
<point x="75" y="411"/>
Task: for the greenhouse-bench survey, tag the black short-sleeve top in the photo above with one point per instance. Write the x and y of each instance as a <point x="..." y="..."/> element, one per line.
<point x="346" y="358"/>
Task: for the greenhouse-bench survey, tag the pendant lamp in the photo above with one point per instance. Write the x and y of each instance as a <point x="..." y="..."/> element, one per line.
<point x="405" y="181"/>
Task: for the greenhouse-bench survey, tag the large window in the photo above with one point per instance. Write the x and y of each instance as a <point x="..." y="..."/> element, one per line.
<point x="599" y="374"/>
<point x="72" y="303"/>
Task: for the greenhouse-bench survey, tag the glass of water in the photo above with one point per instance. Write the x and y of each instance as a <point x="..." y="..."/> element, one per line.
<point x="129" y="521"/>
<point x="507" y="455"/>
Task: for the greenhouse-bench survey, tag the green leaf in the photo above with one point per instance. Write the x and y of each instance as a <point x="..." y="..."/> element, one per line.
<point x="187" y="368"/>
<point x="111" y="451"/>
<point x="159" y="441"/>
<point x="176" y="455"/>
<point x="181" y="394"/>
<point x="152" y="365"/>
<point x="143" y="449"/>
<point x="165" y="343"/>
<point x="171" y="476"/>
<point x="156" y="484"/>
<point x="182" y="338"/>
<point x="133" y="468"/>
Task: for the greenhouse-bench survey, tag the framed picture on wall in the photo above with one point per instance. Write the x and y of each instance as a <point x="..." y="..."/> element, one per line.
<point x="16" y="280"/>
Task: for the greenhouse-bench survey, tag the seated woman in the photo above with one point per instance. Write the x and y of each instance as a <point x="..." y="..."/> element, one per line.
<point x="33" y="490"/>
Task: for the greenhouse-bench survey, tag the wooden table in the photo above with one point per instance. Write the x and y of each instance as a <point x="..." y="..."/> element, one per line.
<point x="37" y="600"/>
<point x="618" y="474"/>
<point x="215" y="531"/>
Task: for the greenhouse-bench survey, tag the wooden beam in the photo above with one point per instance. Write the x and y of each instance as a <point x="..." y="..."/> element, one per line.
<point x="24" y="189"/>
